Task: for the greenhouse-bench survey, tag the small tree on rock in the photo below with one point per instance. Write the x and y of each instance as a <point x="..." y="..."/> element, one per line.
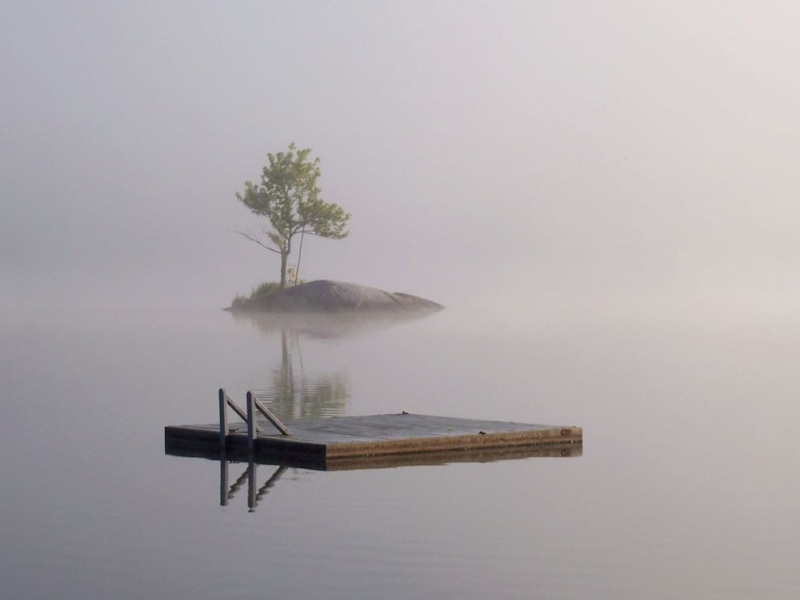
<point x="288" y="196"/>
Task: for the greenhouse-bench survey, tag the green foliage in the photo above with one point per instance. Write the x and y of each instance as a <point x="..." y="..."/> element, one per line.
<point x="289" y="198"/>
<point x="239" y="302"/>
<point x="291" y="276"/>
<point x="263" y="290"/>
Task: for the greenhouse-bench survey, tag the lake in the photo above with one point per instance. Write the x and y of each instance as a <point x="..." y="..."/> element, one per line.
<point x="687" y="485"/>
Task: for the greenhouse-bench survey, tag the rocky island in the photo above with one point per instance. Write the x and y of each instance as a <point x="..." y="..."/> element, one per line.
<point x="326" y="296"/>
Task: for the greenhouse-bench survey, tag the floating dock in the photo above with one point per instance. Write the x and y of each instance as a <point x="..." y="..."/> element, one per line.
<point x="378" y="440"/>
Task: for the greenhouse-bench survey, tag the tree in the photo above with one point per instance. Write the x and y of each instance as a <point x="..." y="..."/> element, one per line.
<point x="288" y="196"/>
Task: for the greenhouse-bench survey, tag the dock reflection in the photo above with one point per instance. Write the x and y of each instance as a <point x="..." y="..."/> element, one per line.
<point x="256" y="491"/>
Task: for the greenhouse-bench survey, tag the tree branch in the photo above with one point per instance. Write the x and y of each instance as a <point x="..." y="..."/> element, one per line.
<point x="253" y="238"/>
<point x="311" y="232"/>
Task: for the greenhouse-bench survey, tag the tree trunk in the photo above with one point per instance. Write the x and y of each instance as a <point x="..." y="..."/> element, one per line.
<point x="284" y="263"/>
<point x="299" y="257"/>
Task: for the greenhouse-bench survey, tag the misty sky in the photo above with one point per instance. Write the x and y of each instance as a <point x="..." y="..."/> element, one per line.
<point x="627" y="151"/>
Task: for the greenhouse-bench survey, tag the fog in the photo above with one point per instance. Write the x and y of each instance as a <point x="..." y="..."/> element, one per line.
<point x="632" y="157"/>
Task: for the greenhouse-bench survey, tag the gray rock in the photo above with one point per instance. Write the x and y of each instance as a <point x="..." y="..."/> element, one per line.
<point x="331" y="296"/>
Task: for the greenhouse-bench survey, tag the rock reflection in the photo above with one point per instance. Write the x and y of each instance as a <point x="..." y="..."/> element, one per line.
<point x="328" y="325"/>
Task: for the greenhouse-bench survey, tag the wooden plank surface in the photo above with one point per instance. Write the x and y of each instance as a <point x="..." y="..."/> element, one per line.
<point x="351" y="438"/>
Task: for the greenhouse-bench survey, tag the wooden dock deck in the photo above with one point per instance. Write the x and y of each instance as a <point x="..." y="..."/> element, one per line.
<point x="378" y="440"/>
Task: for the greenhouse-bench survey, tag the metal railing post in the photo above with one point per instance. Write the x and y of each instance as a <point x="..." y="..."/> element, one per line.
<point x="251" y="423"/>
<point x="223" y="418"/>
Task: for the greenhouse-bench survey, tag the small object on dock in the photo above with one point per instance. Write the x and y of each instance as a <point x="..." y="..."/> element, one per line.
<point x="378" y="440"/>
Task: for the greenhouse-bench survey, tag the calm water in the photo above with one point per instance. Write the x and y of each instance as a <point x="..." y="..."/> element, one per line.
<point x="687" y="487"/>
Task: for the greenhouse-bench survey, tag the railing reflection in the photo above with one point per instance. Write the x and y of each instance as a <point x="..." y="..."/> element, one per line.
<point x="250" y="475"/>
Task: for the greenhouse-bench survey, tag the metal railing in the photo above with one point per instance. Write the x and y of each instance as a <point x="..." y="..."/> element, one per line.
<point x="254" y="405"/>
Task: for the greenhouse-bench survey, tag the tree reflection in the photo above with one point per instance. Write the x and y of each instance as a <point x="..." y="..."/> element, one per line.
<point x="294" y="395"/>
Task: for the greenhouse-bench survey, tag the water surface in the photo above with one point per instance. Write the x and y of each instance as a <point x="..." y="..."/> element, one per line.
<point x="687" y="485"/>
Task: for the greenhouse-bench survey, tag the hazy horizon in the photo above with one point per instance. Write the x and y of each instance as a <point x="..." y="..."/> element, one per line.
<point x="620" y="154"/>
